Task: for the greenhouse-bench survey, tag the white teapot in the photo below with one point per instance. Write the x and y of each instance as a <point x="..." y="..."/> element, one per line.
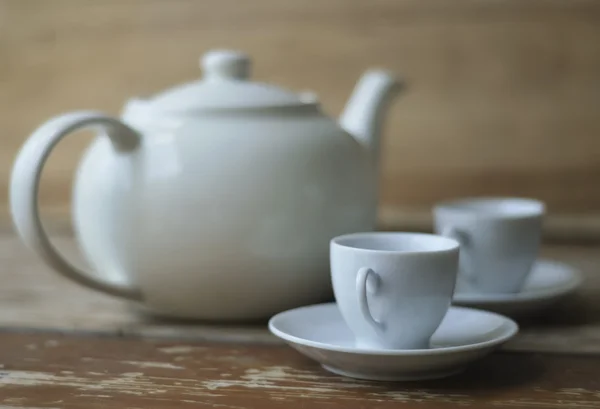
<point x="216" y="199"/>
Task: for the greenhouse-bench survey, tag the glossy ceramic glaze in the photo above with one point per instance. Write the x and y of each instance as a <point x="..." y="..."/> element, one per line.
<point x="393" y="289"/>
<point x="500" y="240"/>
<point x="549" y="283"/>
<point x="320" y="332"/>
<point x="216" y="199"/>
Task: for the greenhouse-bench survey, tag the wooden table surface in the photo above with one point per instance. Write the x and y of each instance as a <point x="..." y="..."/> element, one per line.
<point x="34" y="298"/>
<point x="71" y="371"/>
<point x="62" y="346"/>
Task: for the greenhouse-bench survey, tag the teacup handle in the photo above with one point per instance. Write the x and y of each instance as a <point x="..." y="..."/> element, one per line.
<point x="361" y="289"/>
<point x="463" y="239"/>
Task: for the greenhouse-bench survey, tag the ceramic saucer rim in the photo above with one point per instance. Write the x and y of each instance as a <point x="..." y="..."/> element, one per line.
<point x="575" y="280"/>
<point x="511" y="331"/>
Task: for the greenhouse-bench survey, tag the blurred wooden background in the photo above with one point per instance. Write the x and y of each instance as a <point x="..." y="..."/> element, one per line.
<point x="503" y="97"/>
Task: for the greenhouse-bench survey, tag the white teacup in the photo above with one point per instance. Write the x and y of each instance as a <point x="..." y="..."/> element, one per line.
<point x="393" y="289"/>
<point x="500" y="240"/>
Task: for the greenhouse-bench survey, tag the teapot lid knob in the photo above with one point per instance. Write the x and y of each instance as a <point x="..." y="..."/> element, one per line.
<point x="226" y="64"/>
<point x="224" y="85"/>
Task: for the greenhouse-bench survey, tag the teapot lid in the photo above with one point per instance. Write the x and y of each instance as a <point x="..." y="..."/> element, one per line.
<point x="225" y="85"/>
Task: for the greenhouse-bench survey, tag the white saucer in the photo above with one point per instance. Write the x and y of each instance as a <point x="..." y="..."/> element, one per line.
<point x="548" y="283"/>
<point x="319" y="332"/>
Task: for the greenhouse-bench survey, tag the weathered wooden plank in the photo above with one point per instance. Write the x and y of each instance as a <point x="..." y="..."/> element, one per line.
<point x="74" y="372"/>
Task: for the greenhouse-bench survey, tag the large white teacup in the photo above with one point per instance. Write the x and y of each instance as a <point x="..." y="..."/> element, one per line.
<point x="393" y="289"/>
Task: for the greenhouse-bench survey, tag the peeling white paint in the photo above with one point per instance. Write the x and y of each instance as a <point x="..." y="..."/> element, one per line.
<point x="181" y="349"/>
<point x="280" y="373"/>
<point x="14" y="400"/>
<point x="244" y="360"/>
<point x="145" y="364"/>
<point x="545" y="403"/>
<point x="130" y="383"/>
<point x="280" y="383"/>
<point x="578" y="392"/>
<point x="269" y="377"/>
<point x="423" y="396"/>
<point x="571" y="391"/>
<point x="289" y="383"/>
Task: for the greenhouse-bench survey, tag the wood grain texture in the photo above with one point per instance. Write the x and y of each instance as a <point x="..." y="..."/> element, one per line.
<point x="503" y="97"/>
<point x="34" y="298"/>
<point x="41" y="371"/>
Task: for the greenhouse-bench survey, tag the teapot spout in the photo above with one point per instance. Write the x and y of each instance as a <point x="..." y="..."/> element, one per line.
<point x="363" y="115"/>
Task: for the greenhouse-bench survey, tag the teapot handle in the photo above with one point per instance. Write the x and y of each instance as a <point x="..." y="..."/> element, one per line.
<point x="24" y="186"/>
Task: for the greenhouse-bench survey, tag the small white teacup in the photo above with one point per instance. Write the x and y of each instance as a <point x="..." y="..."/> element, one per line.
<point x="499" y="237"/>
<point x="393" y="289"/>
